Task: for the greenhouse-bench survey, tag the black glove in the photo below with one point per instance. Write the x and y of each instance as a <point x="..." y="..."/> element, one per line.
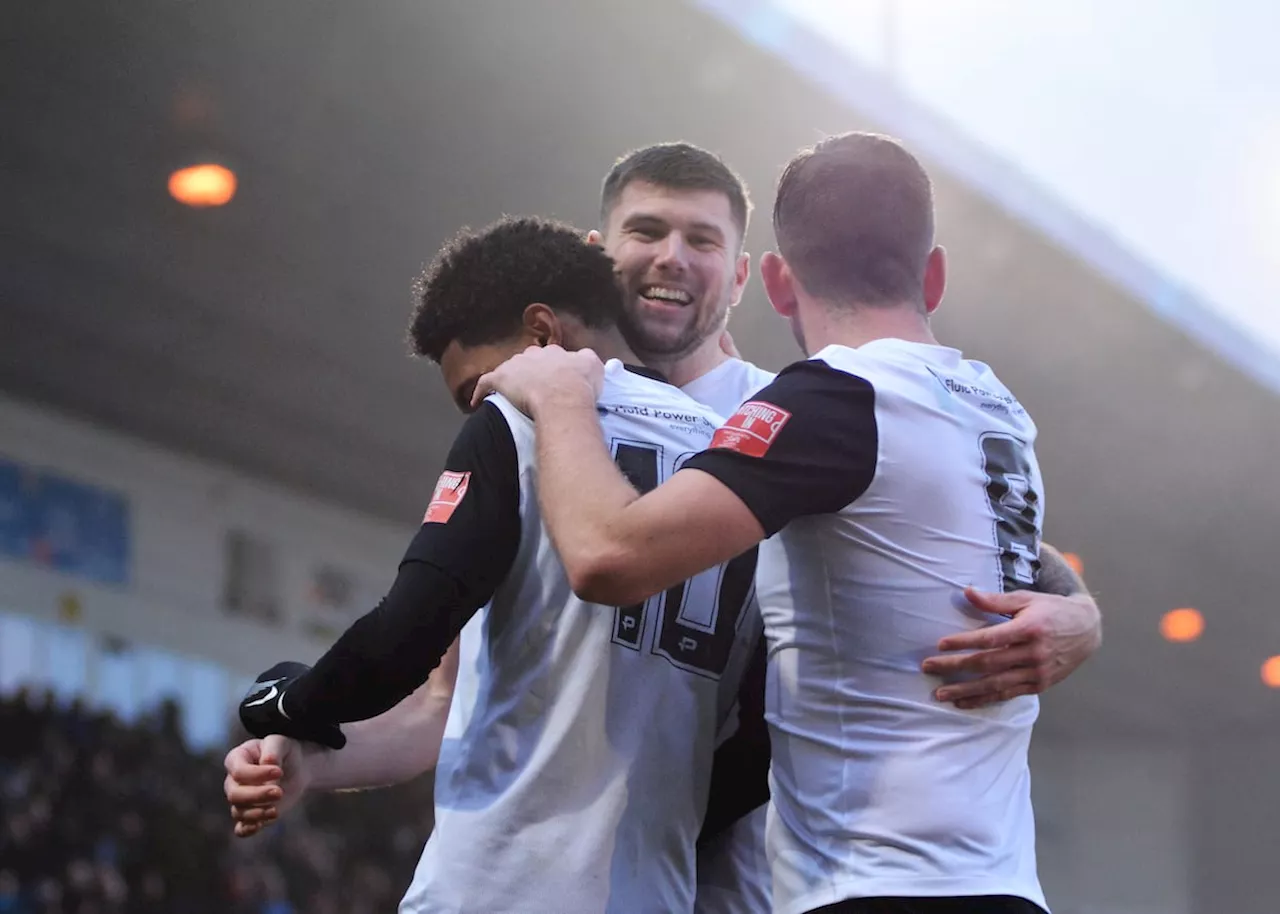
<point x="262" y="713"/>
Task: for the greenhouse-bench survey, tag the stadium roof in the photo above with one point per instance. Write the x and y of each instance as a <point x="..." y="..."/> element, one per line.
<point x="268" y="333"/>
<point x="1142" y="136"/>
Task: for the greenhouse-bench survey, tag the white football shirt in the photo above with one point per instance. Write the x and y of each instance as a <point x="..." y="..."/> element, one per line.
<point x="897" y="473"/>
<point x="724" y="387"/>
<point x="573" y="775"/>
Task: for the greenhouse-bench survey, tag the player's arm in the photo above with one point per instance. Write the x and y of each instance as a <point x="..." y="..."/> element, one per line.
<point x="1054" y="630"/>
<point x="397" y="745"/>
<point x="818" y="454"/>
<point x="460" y="555"/>
<point x="1056" y="574"/>
<point x="267" y="777"/>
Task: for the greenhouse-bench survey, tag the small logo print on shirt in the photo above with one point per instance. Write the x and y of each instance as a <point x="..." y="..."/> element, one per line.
<point x="450" y="489"/>
<point x="752" y="429"/>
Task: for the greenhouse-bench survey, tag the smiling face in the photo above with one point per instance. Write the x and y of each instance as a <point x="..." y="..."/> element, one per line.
<point x="677" y="259"/>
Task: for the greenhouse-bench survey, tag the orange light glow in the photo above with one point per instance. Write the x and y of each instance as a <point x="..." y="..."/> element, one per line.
<point x="203" y="185"/>
<point x="1182" y="624"/>
<point x="1271" y="672"/>
<point x="1074" y="561"/>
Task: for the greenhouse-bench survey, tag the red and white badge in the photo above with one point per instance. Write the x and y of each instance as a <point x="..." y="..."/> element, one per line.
<point x="451" y="488"/>
<point x="752" y="429"/>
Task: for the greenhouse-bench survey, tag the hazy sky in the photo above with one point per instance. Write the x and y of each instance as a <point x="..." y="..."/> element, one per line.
<point x="1157" y="119"/>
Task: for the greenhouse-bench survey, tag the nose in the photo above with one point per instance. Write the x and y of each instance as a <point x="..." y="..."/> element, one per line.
<point x="673" y="253"/>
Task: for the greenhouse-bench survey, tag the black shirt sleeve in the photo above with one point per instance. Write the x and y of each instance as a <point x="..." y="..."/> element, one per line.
<point x="463" y="551"/>
<point x="806" y="444"/>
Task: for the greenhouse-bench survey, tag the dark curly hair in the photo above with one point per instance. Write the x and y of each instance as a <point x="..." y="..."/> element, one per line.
<point x="478" y="286"/>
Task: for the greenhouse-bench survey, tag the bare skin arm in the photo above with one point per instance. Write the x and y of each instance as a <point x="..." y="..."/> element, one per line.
<point x="619" y="547"/>
<point x="1052" y="633"/>
<point x="267" y="777"/>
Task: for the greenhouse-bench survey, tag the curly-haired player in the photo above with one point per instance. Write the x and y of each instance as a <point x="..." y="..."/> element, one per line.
<point x="574" y="774"/>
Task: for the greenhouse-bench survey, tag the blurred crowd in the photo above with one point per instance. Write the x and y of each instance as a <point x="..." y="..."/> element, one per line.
<point x="99" y="817"/>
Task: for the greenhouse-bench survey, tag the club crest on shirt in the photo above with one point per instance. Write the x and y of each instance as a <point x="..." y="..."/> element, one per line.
<point x="451" y="487"/>
<point x="752" y="429"/>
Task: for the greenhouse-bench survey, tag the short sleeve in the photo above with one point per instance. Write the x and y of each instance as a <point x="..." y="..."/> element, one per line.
<point x="806" y="444"/>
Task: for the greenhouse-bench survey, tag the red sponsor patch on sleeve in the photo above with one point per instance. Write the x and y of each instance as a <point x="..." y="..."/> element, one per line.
<point x="752" y="429"/>
<point x="451" y="488"/>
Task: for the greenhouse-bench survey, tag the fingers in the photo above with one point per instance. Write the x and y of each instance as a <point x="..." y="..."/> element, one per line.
<point x="238" y="794"/>
<point x="1003" y="634"/>
<point x="251" y="812"/>
<point x="276" y="750"/>
<point x="247" y="828"/>
<point x="251" y="774"/>
<point x="247" y="753"/>
<point x="485" y="386"/>
<point x="255" y="815"/>
<point x="246" y="765"/>
<point x="251" y="785"/>
<point x="515" y="371"/>
<point x="252" y="807"/>
<point x="1004" y="604"/>
<point x="991" y="689"/>
<point x="987" y="662"/>
<point x="968" y="704"/>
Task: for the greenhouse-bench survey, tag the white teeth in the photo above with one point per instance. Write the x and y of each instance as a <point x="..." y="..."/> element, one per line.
<point x="674" y="295"/>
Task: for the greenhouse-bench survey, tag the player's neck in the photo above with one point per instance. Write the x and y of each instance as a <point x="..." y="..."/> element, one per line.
<point x="684" y="369"/>
<point x="609" y="344"/>
<point x="856" y="326"/>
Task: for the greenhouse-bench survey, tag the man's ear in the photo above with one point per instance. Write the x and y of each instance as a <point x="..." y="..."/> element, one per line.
<point x="935" y="279"/>
<point x="779" y="283"/>
<point x="741" y="273"/>
<point x="594" y="237"/>
<point x="541" y="326"/>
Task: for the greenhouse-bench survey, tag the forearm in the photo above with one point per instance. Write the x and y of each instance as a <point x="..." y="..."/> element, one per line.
<point x="393" y="747"/>
<point x="385" y="655"/>
<point x="579" y="487"/>
<point x="619" y="547"/>
<point x="1056" y="576"/>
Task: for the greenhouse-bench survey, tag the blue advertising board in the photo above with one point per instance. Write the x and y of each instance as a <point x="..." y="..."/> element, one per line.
<point x="59" y="523"/>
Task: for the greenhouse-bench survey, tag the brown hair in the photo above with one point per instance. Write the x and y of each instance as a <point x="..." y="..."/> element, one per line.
<point x="854" y="220"/>
<point x="679" y="166"/>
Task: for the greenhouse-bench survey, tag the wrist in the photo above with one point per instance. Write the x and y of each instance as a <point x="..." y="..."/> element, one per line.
<point x="319" y="764"/>
<point x="569" y="395"/>
<point x="1084" y="599"/>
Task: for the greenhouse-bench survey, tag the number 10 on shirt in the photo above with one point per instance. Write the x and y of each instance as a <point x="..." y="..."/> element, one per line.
<point x="698" y="618"/>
